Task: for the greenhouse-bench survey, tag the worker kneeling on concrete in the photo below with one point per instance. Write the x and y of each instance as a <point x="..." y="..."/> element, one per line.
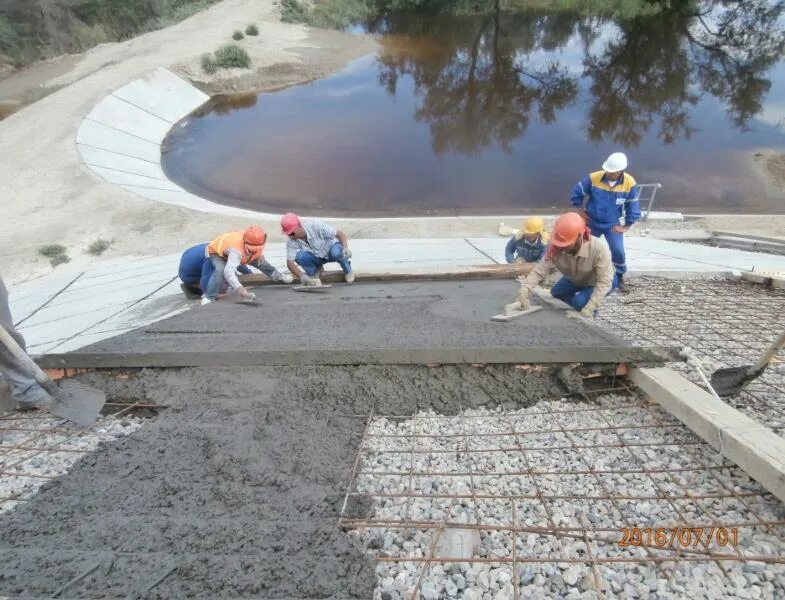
<point x="311" y="245"/>
<point x="209" y="269"/>
<point x="528" y="245"/>
<point x="583" y="260"/>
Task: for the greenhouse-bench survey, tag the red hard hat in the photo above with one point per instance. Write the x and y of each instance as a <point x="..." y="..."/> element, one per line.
<point x="254" y="236"/>
<point x="567" y="228"/>
<point x="289" y="222"/>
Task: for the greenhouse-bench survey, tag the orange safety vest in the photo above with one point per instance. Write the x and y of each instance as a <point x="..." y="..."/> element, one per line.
<point x="234" y="241"/>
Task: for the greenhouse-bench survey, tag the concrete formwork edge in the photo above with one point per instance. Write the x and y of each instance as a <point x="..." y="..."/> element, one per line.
<point x="397" y="356"/>
<point x="752" y="446"/>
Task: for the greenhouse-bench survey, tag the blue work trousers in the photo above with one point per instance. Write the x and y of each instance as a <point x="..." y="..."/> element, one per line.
<point x="311" y="263"/>
<point x="615" y="243"/>
<point x="204" y="273"/>
<point x="574" y="295"/>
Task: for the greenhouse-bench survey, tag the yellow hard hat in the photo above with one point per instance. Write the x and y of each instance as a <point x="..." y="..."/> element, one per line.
<point x="533" y="225"/>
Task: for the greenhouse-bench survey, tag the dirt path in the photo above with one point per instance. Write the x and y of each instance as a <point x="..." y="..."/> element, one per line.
<point x="50" y="197"/>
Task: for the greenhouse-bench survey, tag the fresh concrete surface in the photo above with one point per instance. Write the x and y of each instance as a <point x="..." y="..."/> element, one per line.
<point x="71" y="307"/>
<point x="752" y="446"/>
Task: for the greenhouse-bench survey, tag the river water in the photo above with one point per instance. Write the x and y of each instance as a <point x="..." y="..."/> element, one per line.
<point x="502" y="114"/>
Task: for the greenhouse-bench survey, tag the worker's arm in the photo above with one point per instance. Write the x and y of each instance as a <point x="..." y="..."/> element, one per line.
<point x="604" y="269"/>
<point x="540" y="253"/>
<point x="265" y="267"/>
<point x="233" y="261"/>
<point x="533" y="279"/>
<point x="509" y="250"/>
<point x="632" y="207"/>
<point x="579" y="191"/>
<point x="344" y="241"/>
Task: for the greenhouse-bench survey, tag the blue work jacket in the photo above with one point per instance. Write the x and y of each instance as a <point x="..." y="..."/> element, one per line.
<point x="608" y="204"/>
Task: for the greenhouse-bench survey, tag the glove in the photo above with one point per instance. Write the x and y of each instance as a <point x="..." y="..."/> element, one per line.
<point x="523" y="300"/>
<point x="587" y="312"/>
<point x="510" y="308"/>
<point x="246" y="294"/>
<point x="286" y="278"/>
<point x="347" y="254"/>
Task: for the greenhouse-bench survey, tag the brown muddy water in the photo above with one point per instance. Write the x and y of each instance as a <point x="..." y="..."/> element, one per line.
<point x="503" y="114"/>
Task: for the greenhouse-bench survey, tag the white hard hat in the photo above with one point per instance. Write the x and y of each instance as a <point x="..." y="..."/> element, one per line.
<point x="615" y="162"/>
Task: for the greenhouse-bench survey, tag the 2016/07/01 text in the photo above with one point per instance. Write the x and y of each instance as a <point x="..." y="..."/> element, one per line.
<point x="684" y="537"/>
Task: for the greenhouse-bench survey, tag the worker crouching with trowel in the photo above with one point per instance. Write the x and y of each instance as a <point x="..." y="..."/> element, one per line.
<point x="583" y="260"/>
<point x="212" y="268"/>
<point x="311" y="245"/>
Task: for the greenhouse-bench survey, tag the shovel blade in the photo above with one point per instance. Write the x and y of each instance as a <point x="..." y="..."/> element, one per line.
<point x="77" y="402"/>
<point x="730" y="381"/>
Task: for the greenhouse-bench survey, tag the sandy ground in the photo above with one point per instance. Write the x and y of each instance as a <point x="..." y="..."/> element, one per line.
<point x="50" y="197"/>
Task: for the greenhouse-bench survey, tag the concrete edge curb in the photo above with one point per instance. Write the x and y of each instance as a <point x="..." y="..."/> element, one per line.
<point x="752" y="446"/>
<point x="374" y="356"/>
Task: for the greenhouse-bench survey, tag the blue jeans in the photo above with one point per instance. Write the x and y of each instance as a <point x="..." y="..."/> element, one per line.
<point x="311" y="263"/>
<point x="204" y="273"/>
<point x="615" y="243"/>
<point x="576" y="296"/>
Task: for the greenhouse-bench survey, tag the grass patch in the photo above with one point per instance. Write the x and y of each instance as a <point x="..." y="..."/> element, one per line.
<point x="293" y="11"/>
<point x="56" y="254"/>
<point x="231" y="56"/>
<point x="238" y="35"/>
<point x="209" y="65"/>
<point x="99" y="246"/>
<point x="252" y="30"/>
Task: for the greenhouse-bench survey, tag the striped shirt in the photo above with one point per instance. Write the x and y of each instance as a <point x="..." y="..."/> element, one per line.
<point x="320" y="237"/>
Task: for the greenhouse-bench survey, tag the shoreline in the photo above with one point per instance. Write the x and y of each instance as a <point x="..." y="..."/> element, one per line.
<point x="55" y="198"/>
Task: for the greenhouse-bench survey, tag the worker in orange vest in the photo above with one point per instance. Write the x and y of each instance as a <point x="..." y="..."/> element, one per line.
<point x="212" y="267"/>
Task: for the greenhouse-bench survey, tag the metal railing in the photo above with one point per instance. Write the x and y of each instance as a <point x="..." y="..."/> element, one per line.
<point x="644" y="187"/>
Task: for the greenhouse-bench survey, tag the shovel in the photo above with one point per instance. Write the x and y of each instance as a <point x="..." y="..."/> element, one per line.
<point x="727" y="382"/>
<point x="70" y="400"/>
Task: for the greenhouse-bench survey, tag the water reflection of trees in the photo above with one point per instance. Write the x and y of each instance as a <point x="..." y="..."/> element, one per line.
<point x="476" y="87"/>
<point x="659" y="66"/>
<point x="479" y="83"/>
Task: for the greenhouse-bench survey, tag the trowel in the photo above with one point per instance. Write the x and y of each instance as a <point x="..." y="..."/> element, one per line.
<point x="509" y="315"/>
<point x="730" y="381"/>
<point x="70" y="400"/>
<point x="314" y="285"/>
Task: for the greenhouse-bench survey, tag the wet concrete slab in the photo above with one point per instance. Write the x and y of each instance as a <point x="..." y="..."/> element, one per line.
<point x="371" y="323"/>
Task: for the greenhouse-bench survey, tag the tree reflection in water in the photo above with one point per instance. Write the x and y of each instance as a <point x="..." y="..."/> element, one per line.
<point x="480" y="80"/>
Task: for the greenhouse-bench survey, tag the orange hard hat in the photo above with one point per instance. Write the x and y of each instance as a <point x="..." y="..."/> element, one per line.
<point x="567" y="228"/>
<point x="254" y="236"/>
<point x="289" y="222"/>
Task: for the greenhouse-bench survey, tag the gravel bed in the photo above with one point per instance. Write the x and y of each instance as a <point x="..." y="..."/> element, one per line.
<point x="443" y="491"/>
<point x="50" y="453"/>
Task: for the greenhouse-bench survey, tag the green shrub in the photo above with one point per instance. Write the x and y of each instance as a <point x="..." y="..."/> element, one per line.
<point x="51" y="250"/>
<point x="252" y="29"/>
<point x="209" y="65"/>
<point x="238" y="35"/>
<point x="55" y="253"/>
<point x="59" y="260"/>
<point x="231" y="56"/>
<point x="293" y="11"/>
<point x="99" y="246"/>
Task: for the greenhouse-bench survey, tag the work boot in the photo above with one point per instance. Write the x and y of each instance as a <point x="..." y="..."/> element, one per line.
<point x="621" y="286"/>
<point x="349" y="277"/>
<point x="191" y="293"/>
<point x="205" y="300"/>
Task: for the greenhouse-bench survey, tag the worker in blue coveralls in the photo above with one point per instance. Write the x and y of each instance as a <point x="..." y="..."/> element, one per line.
<point x="606" y="197"/>
<point x="528" y="245"/>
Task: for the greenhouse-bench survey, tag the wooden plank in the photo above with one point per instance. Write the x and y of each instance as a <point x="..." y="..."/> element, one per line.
<point x="396" y="356"/>
<point x="480" y="272"/>
<point x="755" y="448"/>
